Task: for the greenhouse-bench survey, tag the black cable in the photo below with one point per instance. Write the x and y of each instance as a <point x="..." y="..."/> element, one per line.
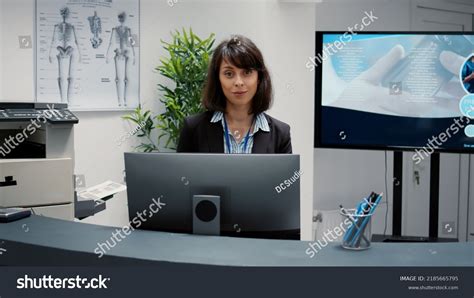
<point x="386" y="195"/>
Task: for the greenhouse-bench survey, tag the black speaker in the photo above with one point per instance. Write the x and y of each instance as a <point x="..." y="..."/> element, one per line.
<point x="206" y="215"/>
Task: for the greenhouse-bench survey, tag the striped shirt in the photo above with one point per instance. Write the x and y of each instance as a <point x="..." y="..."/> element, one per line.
<point x="261" y="123"/>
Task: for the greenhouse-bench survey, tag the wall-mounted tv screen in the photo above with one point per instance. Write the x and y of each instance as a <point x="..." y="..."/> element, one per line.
<point x="394" y="90"/>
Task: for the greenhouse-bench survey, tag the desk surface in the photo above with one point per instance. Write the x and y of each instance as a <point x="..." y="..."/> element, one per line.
<point x="44" y="240"/>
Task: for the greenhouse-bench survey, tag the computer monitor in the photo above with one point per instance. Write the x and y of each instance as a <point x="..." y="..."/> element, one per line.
<point x="259" y="193"/>
<point x="394" y="91"/>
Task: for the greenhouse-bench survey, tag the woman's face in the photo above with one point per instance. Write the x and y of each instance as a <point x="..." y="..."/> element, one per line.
<point x="239" y="85"/>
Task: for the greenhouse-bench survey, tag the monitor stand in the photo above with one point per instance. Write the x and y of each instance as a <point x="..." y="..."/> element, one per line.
<point x="397" y="204"/>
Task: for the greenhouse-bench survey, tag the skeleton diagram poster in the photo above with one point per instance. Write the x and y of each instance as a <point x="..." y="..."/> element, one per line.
<point x="87" y="53"/>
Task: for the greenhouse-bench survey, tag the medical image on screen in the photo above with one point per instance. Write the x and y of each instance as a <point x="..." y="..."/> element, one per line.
<point x="395" y="90"/>
<point x="467" y="74"/>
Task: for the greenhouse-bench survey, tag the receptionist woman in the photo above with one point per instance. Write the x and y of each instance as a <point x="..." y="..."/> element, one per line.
<point x="236" y="95"/>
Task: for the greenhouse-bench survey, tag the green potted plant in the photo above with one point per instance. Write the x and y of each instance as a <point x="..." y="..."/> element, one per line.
<point x="186" y="66"/>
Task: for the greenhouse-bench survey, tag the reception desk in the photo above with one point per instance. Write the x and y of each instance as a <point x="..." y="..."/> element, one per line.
<point x="43" y="241"/>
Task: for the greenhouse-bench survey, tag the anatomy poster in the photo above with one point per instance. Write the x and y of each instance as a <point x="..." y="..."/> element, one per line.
<point x="87" y="53"/>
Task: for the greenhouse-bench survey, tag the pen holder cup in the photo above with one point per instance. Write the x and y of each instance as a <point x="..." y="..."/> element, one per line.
<point x="358" y="233"/>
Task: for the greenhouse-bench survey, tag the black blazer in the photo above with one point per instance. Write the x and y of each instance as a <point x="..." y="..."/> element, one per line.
<point x="200" y="135"/>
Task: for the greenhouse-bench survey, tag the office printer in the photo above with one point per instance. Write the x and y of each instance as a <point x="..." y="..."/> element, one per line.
<point x="37" y="160"/>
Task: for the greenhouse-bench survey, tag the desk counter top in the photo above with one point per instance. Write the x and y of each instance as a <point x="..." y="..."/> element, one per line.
<point x="43" y="241"/>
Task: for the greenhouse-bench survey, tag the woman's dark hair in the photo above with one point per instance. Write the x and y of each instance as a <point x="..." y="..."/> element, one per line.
<point x="243" y="53"/>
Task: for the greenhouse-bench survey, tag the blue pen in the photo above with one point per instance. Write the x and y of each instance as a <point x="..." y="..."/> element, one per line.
<point x="358" y="211"/>
<point x="349" y="232"/>
<point x="372" y="210"/>
<point x="366" y="220"/>
<point x="359" y="206"/>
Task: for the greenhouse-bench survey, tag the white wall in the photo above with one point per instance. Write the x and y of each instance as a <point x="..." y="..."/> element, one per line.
<point x="283" y="31"/>
<point x="17" y="71"/>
